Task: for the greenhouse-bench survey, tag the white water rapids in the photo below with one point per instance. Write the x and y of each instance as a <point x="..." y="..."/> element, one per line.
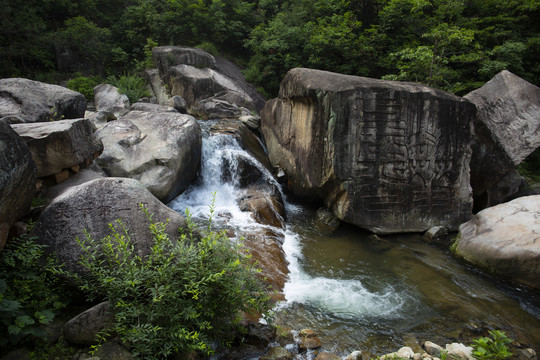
<point x="347" y="298"/>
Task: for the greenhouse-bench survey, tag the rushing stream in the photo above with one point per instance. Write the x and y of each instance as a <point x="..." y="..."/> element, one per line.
<point x="360" y="291"/>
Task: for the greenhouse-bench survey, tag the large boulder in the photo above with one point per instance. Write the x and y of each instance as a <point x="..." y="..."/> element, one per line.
<point x="34" y="101"/>
<point x="505" y="239"/>
<point x="61" y="144"/>
<point x="109" y="98"/>
<point x="506" y="129"/>
<point x="386" y="156"/>
<point x="17" y="179"/>
<point x="92" y="206"/>
<point x="196" y="75"/>
<point x="161" y="150"/>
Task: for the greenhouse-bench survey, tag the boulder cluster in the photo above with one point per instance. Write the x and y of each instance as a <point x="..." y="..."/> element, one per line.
<point x="386" y="156"/>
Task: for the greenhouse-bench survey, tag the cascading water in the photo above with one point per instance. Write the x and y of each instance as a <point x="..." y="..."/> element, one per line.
<point x="356" y="290"/>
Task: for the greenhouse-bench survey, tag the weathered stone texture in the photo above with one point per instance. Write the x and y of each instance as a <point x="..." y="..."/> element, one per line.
<point x="34" y="101"/>
<point x="92" y="206"/>
<point x="505" y="239"/>
<point x="386" y="156"/>
<point x="506" y="131"/>
<point x="162" y="150"/>
<point x="61" y="144"/>
<point x="17" y="179"/>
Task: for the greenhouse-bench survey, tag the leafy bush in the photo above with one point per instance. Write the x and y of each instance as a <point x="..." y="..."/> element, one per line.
<point x="131" y="85"/>
<point x="185" y="295"/>
<point x="495" y="347"/>
<point x="209" y="48"/>
<point x="29" y="292"/>
<point x="85" y="85"/>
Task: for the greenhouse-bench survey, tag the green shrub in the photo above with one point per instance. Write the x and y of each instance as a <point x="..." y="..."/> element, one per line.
<point x="29" y="292"/>
<point x="185" y="295"/>
<point x="209" y="48"/>
<point x="131" y="85"/>
<point x="85" y="85"/>
<point x="495" y="347"/>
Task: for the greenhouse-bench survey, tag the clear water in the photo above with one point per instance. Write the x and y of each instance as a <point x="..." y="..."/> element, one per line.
<point x="362" y="292"/>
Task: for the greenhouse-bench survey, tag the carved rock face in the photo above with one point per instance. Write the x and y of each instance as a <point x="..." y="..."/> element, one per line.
<point x="385" y="156"/>
<point x="162" y="150"/>
<point x="506" y="132"/>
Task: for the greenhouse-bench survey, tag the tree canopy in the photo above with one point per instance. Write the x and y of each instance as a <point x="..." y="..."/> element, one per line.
<point x="455" y="45"/>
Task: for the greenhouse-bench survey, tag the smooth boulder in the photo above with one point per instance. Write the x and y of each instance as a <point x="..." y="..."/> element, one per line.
<point x="92" y="206"/>
<point x="17" y="179"/>
<point x="34" y="101"/>
<point x="386" y="156"/>
<point x="505" y="240"/>
<point x="109" y="98"/>
<point x="506" y="132"/>
<point x="161" y="150"/>
<point x="61" y="144"/>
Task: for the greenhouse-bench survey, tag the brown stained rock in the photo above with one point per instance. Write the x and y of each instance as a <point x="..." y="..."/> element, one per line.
<point x="308" y="340"/>
<point x="327" y="356"/>
<point x="277" y="353"/>
<point x="266" y="208"/>
<point x="265" y="247"/>
<point x="385" y="156"/>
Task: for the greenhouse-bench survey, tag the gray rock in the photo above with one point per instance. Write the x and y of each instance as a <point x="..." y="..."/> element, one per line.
<point x="511" y="185"/>
<point x="459" y="350"/>
<point x="108" y="98"/>
<point x="18" y="354"/>
<point x="166" y="57"/>
<point x="196" y="84"/>
<point x="405" y="353"/>
<point x="92" y="206"/>
<point x="100" y="118"/>
<point x="323" y="355"/>
<point x="162" y="150"/>
<point x="386" y="156"/>
<point x="506" y="128"/>
<point x="251" y="121"/>
<point x="433" y="349"/>
<point x="61" y="144"/>
<point x="34" y="101"/>
<point x="355" y="355"/>
<point x="156" y="84"/>
<point x="84" y="328"/>
<point x="17" y="179"/>
<point x="113" y="351"/>
<point x="327" y="222"/>
<point x="213" y="108"/>
<point x="505" y="240"/>
<point x="179" y="104"/>
<point x="277" y="353"/>
<point x="85" y="175"/>
<point x="11" y="119"/>
<point x="140" y="106"/>
<point x="436" y="233"/>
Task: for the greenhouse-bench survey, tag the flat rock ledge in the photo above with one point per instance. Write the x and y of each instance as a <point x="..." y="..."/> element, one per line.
<point x="505" y="239"/>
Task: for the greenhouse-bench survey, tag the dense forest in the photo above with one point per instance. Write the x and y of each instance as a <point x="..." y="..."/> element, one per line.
<point x="455" y="45"/>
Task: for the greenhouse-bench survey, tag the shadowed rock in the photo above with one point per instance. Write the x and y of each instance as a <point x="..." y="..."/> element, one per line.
<point x="506" y="132"/>
<point x="17" y="179"/>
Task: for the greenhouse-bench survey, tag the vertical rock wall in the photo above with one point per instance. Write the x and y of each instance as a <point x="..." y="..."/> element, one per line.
<point x="386" y="156"/>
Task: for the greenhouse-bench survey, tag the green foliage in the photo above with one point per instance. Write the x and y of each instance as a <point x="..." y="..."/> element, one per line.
<point x="29" y="292"/>
<point x="530" y="167"/>
<point x="209" y="48"/>
<point x="184" y="295"/>
<point x="131" y="85"/>
<point x="85" y="85"/>
<point x="486" y="348"/>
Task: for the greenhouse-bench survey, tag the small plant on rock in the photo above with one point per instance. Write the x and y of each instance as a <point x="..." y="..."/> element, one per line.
<point x="495" y="347"/>
<point x="186" y="294"/>
<point x="133" y="86"/>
